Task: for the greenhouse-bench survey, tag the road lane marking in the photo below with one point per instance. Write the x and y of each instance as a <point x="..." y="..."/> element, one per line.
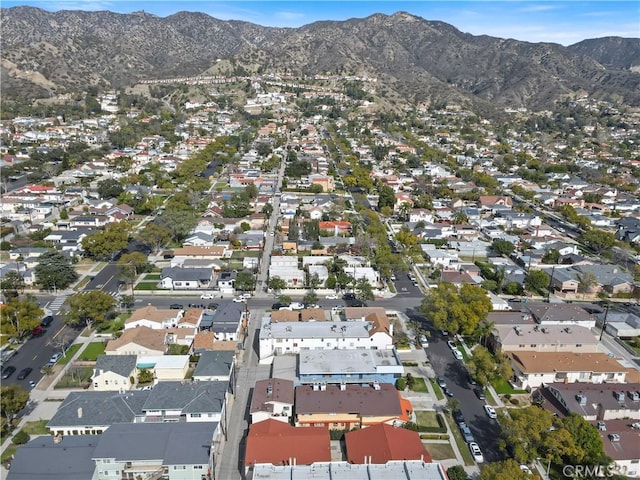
<point x="58" y="332"/>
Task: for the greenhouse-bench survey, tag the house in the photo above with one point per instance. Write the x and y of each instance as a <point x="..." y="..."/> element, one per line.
<point x="272" y="399"/>
<point x="396" y="470"/>
<point x="114" y="372"/>
<point x="381" y="443"/>
<point x="146" y="449"/>
<point x="154" y="318"/>
<point x="568" y="315"/>
<point x="291" y="338"/>
<point x="622" y="325"/>
<point x="277" y="443"/>
<point x="165" y="368"/>
<point x="138" y="341"/>
<point x="92" y="412"/>
<point x="349" y="366"/>
<point x="176" y="278"/>
<point x="190" y="402"/>
<point x="347" y="406"/>
<point x="325" y="181"/>
<point x="226" y="282"/>
<point x="210" y="252"/>
<point x="551" y="338"/>
<point x="532" y="369"/>
<point x="604" y="401"/>
<point x="214" y="366"/>
<point x="624" y="451"/>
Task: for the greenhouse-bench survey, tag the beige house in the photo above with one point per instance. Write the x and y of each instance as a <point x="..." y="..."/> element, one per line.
<point x="549" y="338"/>
<point x="114" y="372"/>
<point x="165" y="368"/>
<point x="153" y="317"/>
<point x="138" y="341"/>
<point x="533" y="369"/>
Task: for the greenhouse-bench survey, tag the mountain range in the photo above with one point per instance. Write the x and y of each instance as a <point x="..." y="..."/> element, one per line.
<point x="414" y="60"/>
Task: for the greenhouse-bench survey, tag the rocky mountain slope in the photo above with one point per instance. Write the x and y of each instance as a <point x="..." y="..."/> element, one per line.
<point x="48" y="54"/>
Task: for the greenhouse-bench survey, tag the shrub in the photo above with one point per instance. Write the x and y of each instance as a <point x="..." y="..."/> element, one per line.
<point x="401" y="384"/>
<point x="507" y="396"/>
<point x="515" y="401"/>
<point x="20" y="438"/>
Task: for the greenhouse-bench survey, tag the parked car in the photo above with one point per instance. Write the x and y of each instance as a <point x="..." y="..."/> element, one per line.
<point x="458" y="354"/>
<point x="176" y="306"/>
<point x="451" y="345"/>
<point x="445" y="333"/>
<point x="36" y="332"/>
<point x="55" y="357"/>
<point x="441" y="382"/>
<point x="491" y="412"/>
<point x="24" y="373"/>
<point x="457" y="416"/>
<point x="472" y="381"/>
<point x="349" y="296"/>
<point x="46" y="321"/>
<point x="296" y="306"/>
<point x="476" y="452"/>
<point x="466" y="432"/>
<point x="239" y="300"/>
<point x="246" y="296"/>
<point x="424" y="342"/>
<point x="479" y="393"/>
<point x="213" y="306"/>
<point x="331" y="296"/>
<point x="278" y="306"/>
<point x="447" y="392"/>
<point x="47" y="366"/>
<point x="207" y="296"/>
<point x="357" y="303"/>
<point x="7" y="372"/>
<point x="602" y="426"/>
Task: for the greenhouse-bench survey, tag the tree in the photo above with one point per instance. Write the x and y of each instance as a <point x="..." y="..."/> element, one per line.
<point x="54" y="270"/>
<point x="457" y="472"/>
<point x="456" y="310"/>
<point x="12" y="283"/>
<point x="506" y="470"/>
<point x="502" y="247"/>
<point x="310" y="297"/>
<point x="145" y="375"/>
<point x="589" y="445"/>
<point x="19" y="316"/>
<point x="598" y="240"/>
<point x="267" y="210"/>
<point x="587" y="281"/>
<point x="363" y="289"/>
<point x="525" y="430"/>
<point x="137" y="260"/>
<point x="482" y="365"/>
<point x="551" y="256"/>
<point x="110" y="188"/>
<point x="245" y="281"/>
<point x="537" y="281"/>
<point x="155" y="236"/>
<point x="276" y="284"/>
<point x="107" y="242"/>
<point x="386" y="197"/>
<point x="89" y="308"/>
<point x="12" y="399"/>
<point x="177" y="221"/>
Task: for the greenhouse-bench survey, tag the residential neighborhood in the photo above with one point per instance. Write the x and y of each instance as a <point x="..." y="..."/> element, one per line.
<point x="299" y="287"/>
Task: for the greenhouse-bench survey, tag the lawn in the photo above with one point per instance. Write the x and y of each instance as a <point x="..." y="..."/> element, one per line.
<point x="82" y="283"/>
<point x="38" y="427"/>
<point x="426" y="418"/>
<point x="92" y="351"/>
<point x="70" y="353"/>
<point x="502" y="387"/>
<point x="152" y="276"/>
<point x="148" y="286"/>
<point x="419" y="385"/>
<point x="79" y="377"/>
<point x="440" y="451"/>
<point x="436" y="389"/>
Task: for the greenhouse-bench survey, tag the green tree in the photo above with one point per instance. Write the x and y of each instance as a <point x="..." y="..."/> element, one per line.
<point x="457" y="472"/>
<point x="502" y="247"/>
<point x="506" y="470"/>
<point x="483" y="366"/>
<point x="155" y="236"/>
<point x="177" y="221"/>
<point x="107" y="242"/>
<point x="587" y="282"/>
<point x="267" y="209"/>
<point x="363" y="289"/>
<point x="386" y="197"/>
<point x="136" y="261"/>
<point x="276" y="284"/>
<point x="598" y="240"/>
<point x="145" y="375"/>
<point x="110" y="188"/>
<point x="12" y="283"/>
<point x="89" y="308"/>
<point x="19" y="316"/>
<point x="537" y="281"/>
<point x="54" y="270"/>
<point x="525" y="431"/>
<point x="456" y="310"/>
<point x="551" y="256"/>
<point x="245" y="281"/>
<point x="12" y="399"/>
<point x="310" y="297"/>
<point x="587" y="439"/>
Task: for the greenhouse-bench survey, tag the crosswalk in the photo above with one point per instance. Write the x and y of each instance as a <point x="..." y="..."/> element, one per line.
<point x="57" y="303"/>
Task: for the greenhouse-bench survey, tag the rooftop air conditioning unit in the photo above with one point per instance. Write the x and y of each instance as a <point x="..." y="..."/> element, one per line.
<point x="582" y="400"/>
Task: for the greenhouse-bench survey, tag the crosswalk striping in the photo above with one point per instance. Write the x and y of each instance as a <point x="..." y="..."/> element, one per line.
<point x="57" y="303"/>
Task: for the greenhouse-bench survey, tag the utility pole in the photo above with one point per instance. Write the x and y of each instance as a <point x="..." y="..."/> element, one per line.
<point x="604" y="321"/>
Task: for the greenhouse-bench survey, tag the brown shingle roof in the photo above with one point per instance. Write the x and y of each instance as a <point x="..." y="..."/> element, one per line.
<point x="204" y="341"/>
<point x="153" y="314"/>
<point x="285" y="316"/>
<point x="143" y="336"/>
<point x="271" y="390"/>
<point x="317" y="314"/>
<point x="383" y="442"/>
<point x="364" y="400"/>
<point x="191" y="316"/>
<point x="544" y="362"/>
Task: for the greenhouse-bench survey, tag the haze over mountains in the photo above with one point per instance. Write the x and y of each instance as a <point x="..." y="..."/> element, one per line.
<point x="413" y="59"/>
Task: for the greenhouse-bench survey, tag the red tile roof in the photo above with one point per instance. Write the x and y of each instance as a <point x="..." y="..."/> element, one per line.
<point x="279" y="443"/>
<point x="384" y="442"/>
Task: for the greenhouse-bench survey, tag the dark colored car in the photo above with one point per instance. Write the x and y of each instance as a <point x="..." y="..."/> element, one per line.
<point x="357" y="303"/>
<point x="278" y="306"/>
<point x="349" y="296"/>
<point x="479" y="393"/>
<point x="176" y="306"/>
<point x="24" y="373"/>
<point x="7" y="372"/>
<point x="36" y="332"/>
<point x="213" y="306"/>
<point x="46" y="321"/>
<point x="457" y="416"/>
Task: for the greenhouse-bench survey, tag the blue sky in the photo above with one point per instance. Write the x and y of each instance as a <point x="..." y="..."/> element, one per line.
<point x="563" y="22"/>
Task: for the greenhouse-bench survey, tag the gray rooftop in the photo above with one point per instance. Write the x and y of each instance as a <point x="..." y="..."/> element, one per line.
<point x="170" y="443"/>
<point x="123" y="365"/>
<point x="189" y="397"/>
<point x="345" y="361"/>
<point x="98" y="408"/>
<point x="352" y="329"/>
<point x="393" y="470"/>
<point x="214" y="363"/>
<point x="184" y="274"/>
<point x="70" y="459"/>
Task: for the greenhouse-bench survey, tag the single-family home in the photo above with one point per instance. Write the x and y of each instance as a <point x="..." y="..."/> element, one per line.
<point x="272" y="398"/>
<point x="153" y="317"/>
<point x="176" y="278"/>
<point x="114" y="372"/>
<point x="138" y="341"/>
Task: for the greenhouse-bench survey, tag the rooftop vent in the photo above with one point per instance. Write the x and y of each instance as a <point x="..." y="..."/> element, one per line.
<point x="619" y="396"/>
<point x="635" y="396"/>
<point x="582" y="400"/>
